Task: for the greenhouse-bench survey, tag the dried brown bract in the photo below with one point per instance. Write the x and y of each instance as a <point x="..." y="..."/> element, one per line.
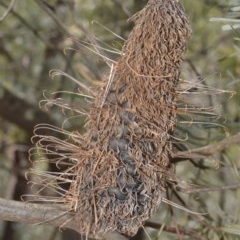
<point x="117" y="169"/>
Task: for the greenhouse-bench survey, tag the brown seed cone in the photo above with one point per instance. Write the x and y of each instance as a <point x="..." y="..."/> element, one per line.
<point x="121" y="179"/>
<point x="119" y="171"/>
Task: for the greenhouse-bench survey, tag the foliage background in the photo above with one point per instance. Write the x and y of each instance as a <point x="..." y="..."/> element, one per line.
<point x="33" y="37"/>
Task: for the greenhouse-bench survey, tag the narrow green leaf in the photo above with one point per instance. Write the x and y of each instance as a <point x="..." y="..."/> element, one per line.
<point x="232" y="229"/>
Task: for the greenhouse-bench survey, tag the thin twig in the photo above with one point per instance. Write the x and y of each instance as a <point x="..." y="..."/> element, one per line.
<point x="27" y="25"/>
<point x="32" y="213"/>
<point x="209" y="149"/>
<point x="210" y="189"/>
<point x="174" y="230"/>
<point x="9" y="9"/>
<point x="60" y="24"/>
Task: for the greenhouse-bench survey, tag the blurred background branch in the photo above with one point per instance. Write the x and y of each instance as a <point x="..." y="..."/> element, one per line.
<point x="9" y="9"/>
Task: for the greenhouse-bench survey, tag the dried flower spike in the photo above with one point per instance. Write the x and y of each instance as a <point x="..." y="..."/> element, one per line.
<point x="117" y="169"/>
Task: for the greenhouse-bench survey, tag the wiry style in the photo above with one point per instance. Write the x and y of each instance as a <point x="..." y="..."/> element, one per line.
<point x="117" y="170"/>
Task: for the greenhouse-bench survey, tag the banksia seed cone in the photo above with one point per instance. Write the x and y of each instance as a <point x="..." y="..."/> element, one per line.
<point x="118" y="168"/>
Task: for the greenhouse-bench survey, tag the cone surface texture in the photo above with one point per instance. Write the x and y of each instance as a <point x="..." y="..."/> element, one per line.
<point x="119" y="165"/>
